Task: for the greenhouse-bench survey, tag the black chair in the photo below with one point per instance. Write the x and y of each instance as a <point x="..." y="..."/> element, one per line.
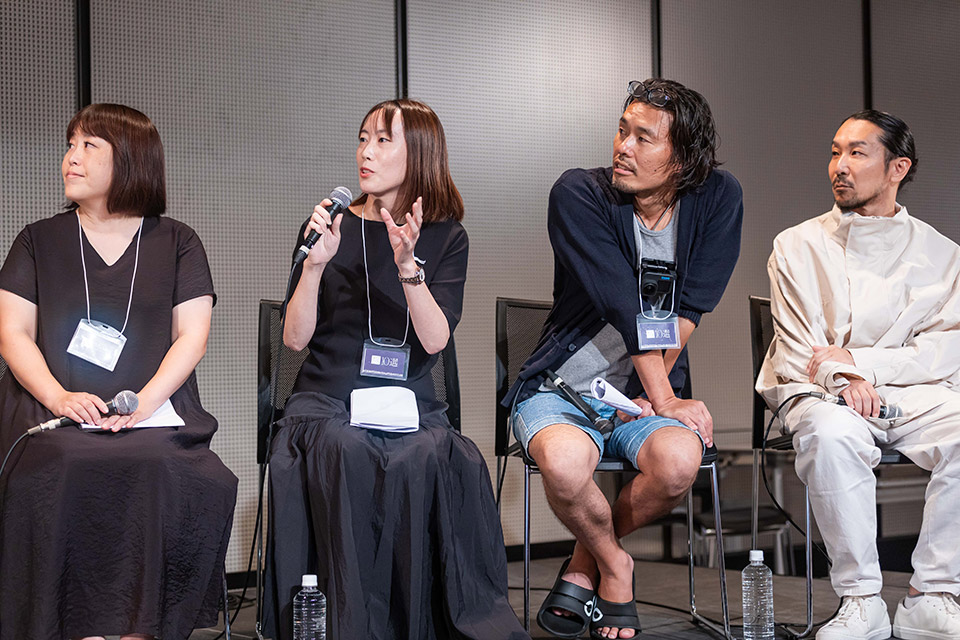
<point x="761" y="335"/>
<point x="272" y="398"/>
<point x="519" y="323"/>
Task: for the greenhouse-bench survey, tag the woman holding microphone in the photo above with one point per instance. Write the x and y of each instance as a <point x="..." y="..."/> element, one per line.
<point x="114" y="530"/>
<point x="400" y="526"/>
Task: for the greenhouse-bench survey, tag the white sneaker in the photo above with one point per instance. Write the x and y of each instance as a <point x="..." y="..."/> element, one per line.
<point x="935" y="617"/>
<point x="859" y="618"/>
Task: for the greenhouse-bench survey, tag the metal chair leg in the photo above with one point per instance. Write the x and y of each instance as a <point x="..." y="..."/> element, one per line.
<point x="808" y="553"/>
<point x="755" y="499"/>
<point x="526" y="547"/>
<point x="226" y="606"/>
<point x="724" y="605"/>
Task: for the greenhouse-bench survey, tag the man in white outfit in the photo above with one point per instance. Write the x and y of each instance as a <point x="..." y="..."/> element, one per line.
<point x="866" y="305"/>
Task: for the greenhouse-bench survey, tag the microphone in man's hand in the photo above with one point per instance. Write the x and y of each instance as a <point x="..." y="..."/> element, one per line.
<point x="887" y="411"/>
<point x="341" y="198"/>
<point x="123" y="404"/>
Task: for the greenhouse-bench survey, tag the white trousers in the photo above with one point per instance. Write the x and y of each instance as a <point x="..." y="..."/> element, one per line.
<point x="837" y="451"/>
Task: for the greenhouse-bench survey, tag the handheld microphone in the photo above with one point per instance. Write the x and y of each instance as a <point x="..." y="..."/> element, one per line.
<point x="123" y="404"/>
<point x="341" y="198"/>
<point x="604" y="426"/>
<point x="887" y="411"/>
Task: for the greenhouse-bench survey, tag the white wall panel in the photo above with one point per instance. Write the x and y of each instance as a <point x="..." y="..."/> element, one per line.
<point x="525" y="91"/>
<point x="37" y="99"/>
<point x="258" y="105"/>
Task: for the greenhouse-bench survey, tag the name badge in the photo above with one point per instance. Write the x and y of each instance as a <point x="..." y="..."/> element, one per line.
<point x="98" y="343"/>
<point x="388" y="359"/>
<point x="662" y="333"/>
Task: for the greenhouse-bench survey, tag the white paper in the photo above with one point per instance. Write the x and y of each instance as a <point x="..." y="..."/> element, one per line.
<point x="607" y="394"/>
<point x="165" y="416"/>
<point x="385" y="409"/>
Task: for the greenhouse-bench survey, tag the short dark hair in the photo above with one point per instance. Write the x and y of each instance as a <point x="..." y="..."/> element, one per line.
<point x="138" y="185"/>
<point x="428" y="170"/>
<point x="896" y="137"/>
<point x="692" y="132"/>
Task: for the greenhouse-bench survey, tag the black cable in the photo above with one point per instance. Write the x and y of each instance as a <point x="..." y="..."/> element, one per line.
<point x="7" y="457"/>
<point x="763" y="469"/>
<point x="766" y="485"/>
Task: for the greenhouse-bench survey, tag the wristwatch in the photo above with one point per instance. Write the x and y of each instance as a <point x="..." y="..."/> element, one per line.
<point x="415" y="279"/>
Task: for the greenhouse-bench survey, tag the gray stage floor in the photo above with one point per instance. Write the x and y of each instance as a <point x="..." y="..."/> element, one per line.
<point x="657" y="584"/>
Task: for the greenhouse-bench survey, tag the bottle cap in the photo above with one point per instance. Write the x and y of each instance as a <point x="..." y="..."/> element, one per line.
<point x="310" y="580"/>
<point x="756" y="555"/>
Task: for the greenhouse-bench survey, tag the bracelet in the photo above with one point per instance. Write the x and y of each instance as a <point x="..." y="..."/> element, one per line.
<point x="415" y="279"/>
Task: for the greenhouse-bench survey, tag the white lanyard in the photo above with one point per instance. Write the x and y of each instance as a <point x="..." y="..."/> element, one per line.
<point x="366" y="272"/>
<point x="86" y="287"/>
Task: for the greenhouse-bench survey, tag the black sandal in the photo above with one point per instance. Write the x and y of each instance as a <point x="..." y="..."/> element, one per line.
<point x="568" y="597"/>
<point x="619" y="615"/>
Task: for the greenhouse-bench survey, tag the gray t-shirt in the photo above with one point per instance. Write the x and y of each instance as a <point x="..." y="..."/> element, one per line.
<point x="606" y="355"/>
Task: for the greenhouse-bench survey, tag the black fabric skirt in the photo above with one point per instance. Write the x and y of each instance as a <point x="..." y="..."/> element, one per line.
<point x="401" y="529"/>
<point x="107" y="533"/>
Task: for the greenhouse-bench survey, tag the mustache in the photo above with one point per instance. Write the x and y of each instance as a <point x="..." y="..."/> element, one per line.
<point x="841" y="183"/>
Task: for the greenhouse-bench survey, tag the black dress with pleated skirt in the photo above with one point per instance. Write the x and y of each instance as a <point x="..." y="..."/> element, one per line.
<point x="107" y="533"/>
<point x="401" y="529"/>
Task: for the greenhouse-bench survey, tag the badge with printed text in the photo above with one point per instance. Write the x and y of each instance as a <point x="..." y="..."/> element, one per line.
<point x="385" y="358"/>
<point x="98" y="343"/>
<point x="659" y="333"/>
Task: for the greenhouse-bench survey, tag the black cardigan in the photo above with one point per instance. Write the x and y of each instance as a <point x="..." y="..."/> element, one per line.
<point x="595" y="274"/>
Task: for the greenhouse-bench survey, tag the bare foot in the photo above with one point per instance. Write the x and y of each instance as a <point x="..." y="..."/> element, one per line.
<point x="618" y="587"/>
<point x="582" y="571"/>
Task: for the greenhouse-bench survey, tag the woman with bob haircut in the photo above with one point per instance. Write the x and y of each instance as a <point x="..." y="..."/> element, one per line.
<point x="109" y="530"/>
<point x="400" y="528"/>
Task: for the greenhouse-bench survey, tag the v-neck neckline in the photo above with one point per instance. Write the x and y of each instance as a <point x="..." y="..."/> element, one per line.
<point x="126" y="249"/>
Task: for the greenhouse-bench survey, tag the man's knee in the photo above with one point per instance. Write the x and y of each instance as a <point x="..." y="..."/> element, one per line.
<point x="566" y="457"/>
<point x="672" y="455"/>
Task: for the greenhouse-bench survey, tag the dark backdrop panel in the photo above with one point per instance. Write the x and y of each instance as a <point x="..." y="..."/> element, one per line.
<point x="780" y="76"/>
<point x="915" y="57"/>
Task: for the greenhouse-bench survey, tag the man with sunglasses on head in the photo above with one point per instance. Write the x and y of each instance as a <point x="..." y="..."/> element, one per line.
<point x="866" y="304"/>
<point x="642" y="250"/>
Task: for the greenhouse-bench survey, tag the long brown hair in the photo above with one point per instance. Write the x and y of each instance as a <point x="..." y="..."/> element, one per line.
<point x="428" y="172"/>
<point x="138" y="184"/>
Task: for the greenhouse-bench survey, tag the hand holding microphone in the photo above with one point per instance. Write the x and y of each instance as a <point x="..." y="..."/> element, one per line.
<point x="860" y="396"/>
<point x="124" y="403"/>
<point x="324" y="226"/>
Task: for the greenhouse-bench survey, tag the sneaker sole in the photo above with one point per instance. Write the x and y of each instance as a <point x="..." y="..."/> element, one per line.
<point x="878" y="634"/>
<point x="906" y="633"/>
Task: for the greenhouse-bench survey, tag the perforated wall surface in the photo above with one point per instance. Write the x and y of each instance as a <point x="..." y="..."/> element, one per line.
<point x="525" y="91"/>
<point x="780" y="77"/>
<point x="258" y="105"/>
<point x="36" y="42"/>
<point x="915" y="54"/>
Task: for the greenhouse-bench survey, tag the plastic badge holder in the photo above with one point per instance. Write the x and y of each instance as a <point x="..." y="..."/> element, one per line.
<point x="98" y="343"/>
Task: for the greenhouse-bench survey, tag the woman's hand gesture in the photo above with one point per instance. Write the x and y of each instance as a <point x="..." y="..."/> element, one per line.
<point x="404" y="239"/>
<point x="329" y="242"/>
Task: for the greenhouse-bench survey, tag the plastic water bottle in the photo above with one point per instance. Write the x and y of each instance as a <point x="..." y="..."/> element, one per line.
<point x="309" y="611"/>
<point x="757" y="581"/>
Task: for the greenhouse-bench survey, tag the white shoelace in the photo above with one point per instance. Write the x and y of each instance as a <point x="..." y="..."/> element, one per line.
<point x="851" y="605"/>
<point x="950" y="606"/>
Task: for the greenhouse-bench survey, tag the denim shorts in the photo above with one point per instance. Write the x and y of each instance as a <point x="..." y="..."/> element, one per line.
<point x="550" y="407"/>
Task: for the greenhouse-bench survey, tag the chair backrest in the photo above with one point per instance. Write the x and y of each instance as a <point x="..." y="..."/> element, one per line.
<point x="519" y="325"/>
<point x="444" y="374"/>
<point x="761" y="335"/>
